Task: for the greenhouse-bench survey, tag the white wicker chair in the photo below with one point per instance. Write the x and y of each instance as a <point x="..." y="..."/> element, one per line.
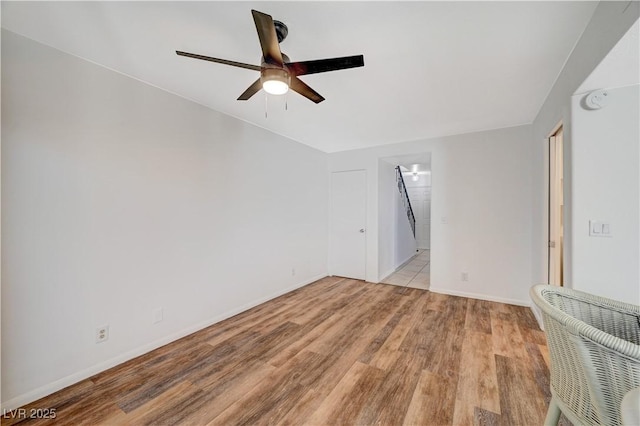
<point x="594" y="345"/>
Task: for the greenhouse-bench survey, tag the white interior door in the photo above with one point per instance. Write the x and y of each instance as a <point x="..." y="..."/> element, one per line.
<point x="420" y="198"/>
<point x="347" y="235"/>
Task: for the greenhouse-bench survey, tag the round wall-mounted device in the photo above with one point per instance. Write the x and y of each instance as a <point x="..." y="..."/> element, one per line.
<point x="597" y="99"/>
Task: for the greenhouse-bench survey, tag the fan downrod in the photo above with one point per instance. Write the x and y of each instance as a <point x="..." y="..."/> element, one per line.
<point x="281" y="30"/>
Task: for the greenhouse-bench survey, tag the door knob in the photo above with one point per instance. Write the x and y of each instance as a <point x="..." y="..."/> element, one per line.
<point x="362" y="230"/>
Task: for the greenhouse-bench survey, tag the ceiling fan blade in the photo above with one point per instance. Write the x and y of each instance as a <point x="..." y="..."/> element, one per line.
<point x="220" y="61"/>
<point x="306" y="91"/>
<point x="325" y="65"/>
<point x="251" y="90"/>
<point x="268" y="38"/>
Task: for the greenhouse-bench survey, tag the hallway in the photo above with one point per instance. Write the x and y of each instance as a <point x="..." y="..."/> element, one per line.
<point x="414" y="273"/>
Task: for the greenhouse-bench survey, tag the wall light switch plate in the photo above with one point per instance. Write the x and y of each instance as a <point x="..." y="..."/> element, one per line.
<point x="598" y="228"/>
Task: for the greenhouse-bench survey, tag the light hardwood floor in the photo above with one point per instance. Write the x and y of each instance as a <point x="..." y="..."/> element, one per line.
<point x="337" y="351"/>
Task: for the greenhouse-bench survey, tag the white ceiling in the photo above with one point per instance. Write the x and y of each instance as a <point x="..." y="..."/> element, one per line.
<point x="431" y="68"/>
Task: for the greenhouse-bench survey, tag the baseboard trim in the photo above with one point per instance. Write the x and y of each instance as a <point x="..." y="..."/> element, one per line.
<point x="538" y="316"/>
<point x="406" y="261"/>
<point x="393" y="271"/>
<point x="387" y="275"/>
<point x="62" y="383"/>
<point x="480" y="296"/>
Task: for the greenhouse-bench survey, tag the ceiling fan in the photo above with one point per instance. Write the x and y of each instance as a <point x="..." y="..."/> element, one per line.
<point x="277" y="73"/>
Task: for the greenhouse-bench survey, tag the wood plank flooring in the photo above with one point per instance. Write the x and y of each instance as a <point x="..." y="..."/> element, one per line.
<point x="335" y="352"/>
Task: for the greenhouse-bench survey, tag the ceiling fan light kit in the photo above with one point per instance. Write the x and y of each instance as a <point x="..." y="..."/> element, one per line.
<point x="275" y="81"/>
<point x="277" y="73"/>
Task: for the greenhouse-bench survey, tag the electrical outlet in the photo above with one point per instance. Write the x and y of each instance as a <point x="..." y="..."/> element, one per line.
<point x="464" y="276"/>
<point x="102" y="334"/>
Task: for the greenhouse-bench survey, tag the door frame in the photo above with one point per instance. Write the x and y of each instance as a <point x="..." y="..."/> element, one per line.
<point x="559" y="183"/>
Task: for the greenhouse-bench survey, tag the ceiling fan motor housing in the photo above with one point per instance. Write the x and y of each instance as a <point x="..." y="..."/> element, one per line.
<point x="281" y="30"/>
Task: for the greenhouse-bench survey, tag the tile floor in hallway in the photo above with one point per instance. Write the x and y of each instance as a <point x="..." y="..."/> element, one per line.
<point x="414" y="273"/>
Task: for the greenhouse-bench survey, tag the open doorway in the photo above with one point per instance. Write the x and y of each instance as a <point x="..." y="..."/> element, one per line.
<point x="417" y="178"/>
<point x="555" y="228"/>
<point x="405" y="239"/>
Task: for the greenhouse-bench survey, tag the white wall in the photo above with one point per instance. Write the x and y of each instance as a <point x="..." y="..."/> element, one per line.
<point x="405" y="242"/>
<point x="606" y="187"/>
<point x="118" y="199"/>
<point x="423" y="180"/>
<point x="609" y="23"/>
<point x="386" y="216"/>
<point x="481" y="184"/>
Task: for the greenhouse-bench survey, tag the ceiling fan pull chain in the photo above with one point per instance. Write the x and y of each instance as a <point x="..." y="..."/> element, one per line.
<point x="266" y="104"/>
<point x="286" y="102"/>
